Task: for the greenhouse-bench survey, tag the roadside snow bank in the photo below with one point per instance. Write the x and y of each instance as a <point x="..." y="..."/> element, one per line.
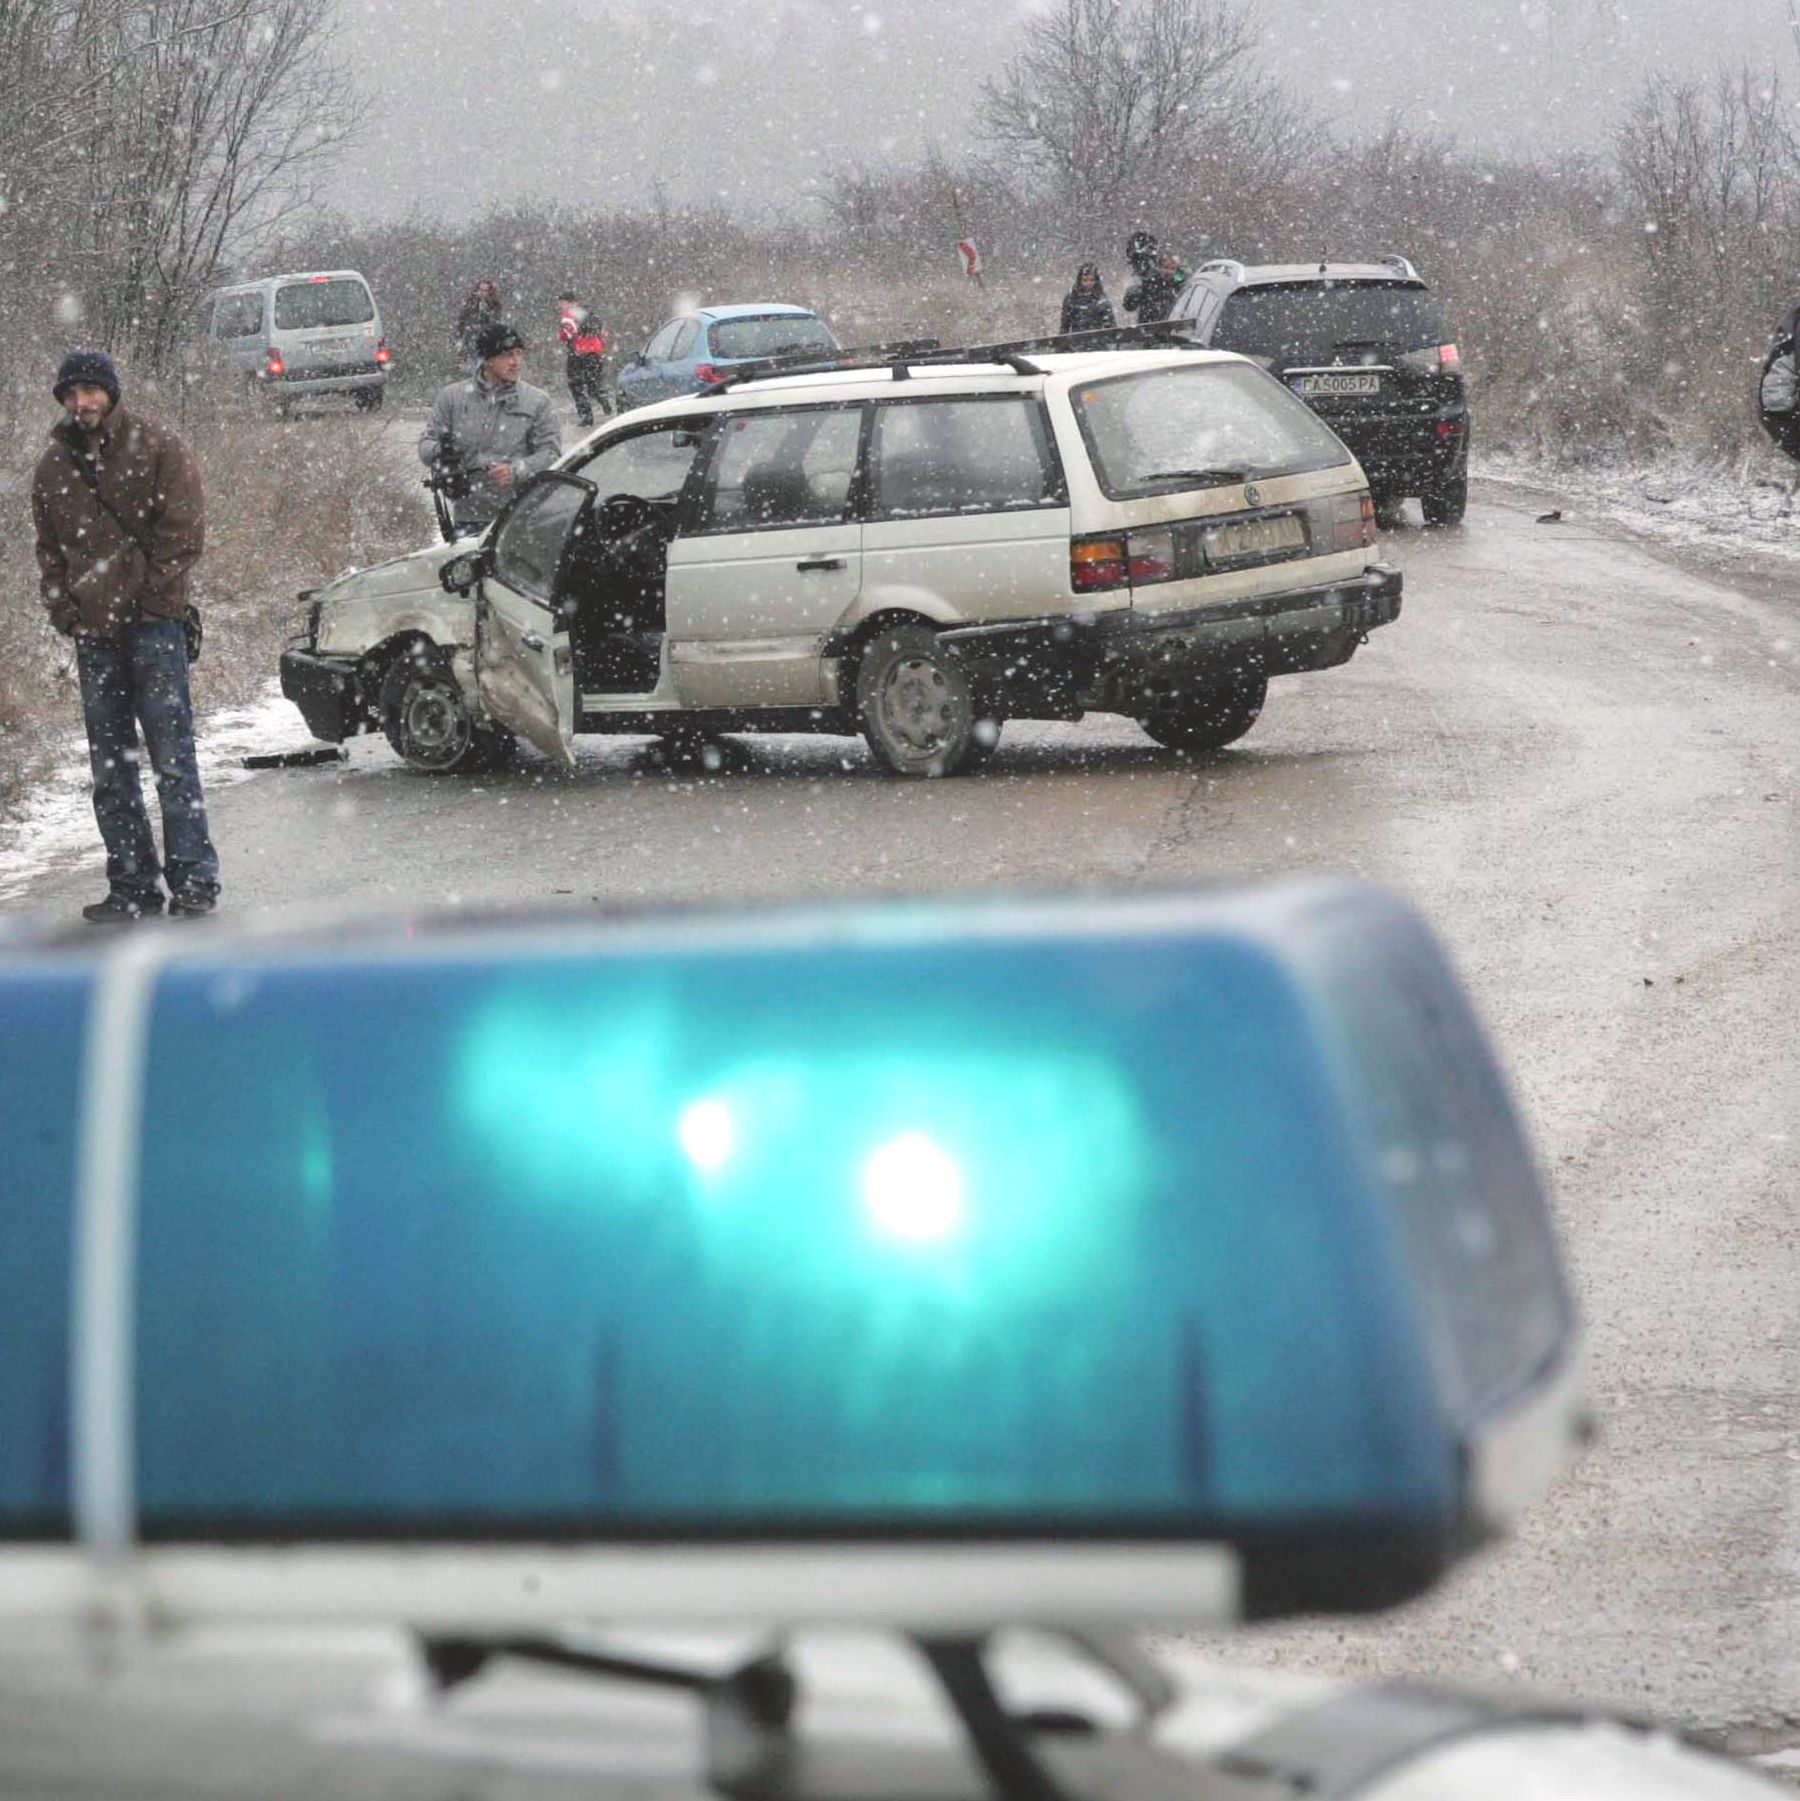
<point x="1747" y="503"/>
<point x="55" y="825"/>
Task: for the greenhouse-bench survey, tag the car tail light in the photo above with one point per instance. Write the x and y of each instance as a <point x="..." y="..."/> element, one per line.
<point x="1151" y="556"/>
<point x="1448" y="428"/>
<point x="1096" y="564"/>
<point x="706" y="372"/>
<point x="1439" y="359"/>
<point x="383" y="355"/>
<point x="276" y="365"/>
<point x="1353" y="521"/>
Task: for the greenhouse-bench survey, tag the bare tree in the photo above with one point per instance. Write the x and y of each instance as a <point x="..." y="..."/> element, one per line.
<point x="153" y="138"/>
<point x="1118" y="105"/>
<point x="1714" y="169"/>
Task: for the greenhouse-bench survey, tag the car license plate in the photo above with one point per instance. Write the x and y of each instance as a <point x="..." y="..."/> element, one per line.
<point x="1254" y="537"/>
<point x="1361" y="382"/>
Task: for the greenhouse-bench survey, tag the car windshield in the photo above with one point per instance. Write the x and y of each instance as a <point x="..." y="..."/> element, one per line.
<point x="320" y="301"/>
<point x="770" y="334"/>
<point x="1315" y="321"/>
<point x="1167" y="429"/>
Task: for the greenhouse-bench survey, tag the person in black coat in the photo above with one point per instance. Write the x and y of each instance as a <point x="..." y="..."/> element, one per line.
<point x="1085" y="307"/>
<point x="1154" y="295"/>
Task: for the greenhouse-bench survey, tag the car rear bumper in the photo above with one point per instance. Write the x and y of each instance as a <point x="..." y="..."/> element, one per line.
<point x="355" y="379"/>
<point x="1122" y="661"/>
<point x="1407" y="455"/>
<point x="327" y="692"/>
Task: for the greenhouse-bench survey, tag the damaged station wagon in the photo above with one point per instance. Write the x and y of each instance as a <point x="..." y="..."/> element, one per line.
<point x="916" y="547"/>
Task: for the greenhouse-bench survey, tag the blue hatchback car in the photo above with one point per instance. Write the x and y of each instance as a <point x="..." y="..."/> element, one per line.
<point x="688" y="352"/>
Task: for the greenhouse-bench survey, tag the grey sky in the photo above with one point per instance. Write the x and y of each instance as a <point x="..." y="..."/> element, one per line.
<point x="596" y="101"/>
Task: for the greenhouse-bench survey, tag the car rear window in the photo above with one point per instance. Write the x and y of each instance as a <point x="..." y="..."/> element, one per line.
<point x="238" y="315"/>
<point x="1199" y="426"/>
<point x="303" y="305"/>
<point x="769" y="335"/>
<point x="1314" y="322"/>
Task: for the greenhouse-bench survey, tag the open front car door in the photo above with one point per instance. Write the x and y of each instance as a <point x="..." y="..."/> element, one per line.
<point x="525" y="661"/>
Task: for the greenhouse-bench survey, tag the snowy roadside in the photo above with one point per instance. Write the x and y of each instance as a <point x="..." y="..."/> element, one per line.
<point x="55" y="825"/>
<point x="1749" y="505"/>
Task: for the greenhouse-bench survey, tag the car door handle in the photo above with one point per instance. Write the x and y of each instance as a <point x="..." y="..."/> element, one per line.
<point x="820" y="563"/>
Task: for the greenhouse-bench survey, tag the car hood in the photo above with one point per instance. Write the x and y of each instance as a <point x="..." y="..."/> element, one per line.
<point x="415" y="572"/>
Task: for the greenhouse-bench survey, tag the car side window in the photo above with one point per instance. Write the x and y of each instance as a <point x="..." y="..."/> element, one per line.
<point x="782" y="469"/>
<point x="238" y="315"/>
<point x="657" y="350"/>
<point x="961" y="456"/>
<point x="651" y="464"/>
<point x="528" y="549"/>
<point x="684" y="341"/>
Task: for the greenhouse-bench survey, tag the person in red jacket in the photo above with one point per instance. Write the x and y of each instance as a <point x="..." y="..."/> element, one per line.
<point x="583" y="340"/>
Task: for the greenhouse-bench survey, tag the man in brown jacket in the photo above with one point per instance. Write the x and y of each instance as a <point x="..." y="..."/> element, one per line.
<point x="120" y="522"/>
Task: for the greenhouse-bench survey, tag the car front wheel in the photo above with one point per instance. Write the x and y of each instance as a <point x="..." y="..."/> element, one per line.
<point x="918" y="706"/>
<point x="425" y="717"/>
<point x="1209" y="717"/>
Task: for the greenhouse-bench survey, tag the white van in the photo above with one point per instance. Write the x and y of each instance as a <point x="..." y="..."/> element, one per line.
<point x="292" y="336"/>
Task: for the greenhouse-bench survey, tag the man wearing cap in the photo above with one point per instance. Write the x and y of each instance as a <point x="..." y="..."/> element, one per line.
<point x="488" y="434"/>
<point x="120" y="521"/>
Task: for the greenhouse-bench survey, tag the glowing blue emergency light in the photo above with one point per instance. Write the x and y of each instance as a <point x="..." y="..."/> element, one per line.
<point x="1164" y="1227"/>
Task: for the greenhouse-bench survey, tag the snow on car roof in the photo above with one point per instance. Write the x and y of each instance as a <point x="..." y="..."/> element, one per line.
<point x="1261" y="274"/>
<point x="861" y="384"/>
<point x="761" y="309"/>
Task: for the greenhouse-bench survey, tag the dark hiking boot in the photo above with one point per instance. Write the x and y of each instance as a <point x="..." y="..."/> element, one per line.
<point x="192" y="903"/>
<point x="122" y="910"/>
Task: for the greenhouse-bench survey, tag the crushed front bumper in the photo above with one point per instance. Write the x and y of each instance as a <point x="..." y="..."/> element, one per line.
<point x="327" y="692"/>
<point x="1122" y="661"/>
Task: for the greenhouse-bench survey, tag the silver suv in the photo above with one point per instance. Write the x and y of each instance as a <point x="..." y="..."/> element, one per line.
<point x="917" y="548"/>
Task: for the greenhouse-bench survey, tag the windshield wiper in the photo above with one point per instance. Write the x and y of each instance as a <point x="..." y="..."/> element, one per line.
<point x="1210" y="475"/>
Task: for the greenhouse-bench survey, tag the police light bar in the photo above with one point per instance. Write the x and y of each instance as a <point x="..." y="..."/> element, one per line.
<point x="1164" y="1259"/>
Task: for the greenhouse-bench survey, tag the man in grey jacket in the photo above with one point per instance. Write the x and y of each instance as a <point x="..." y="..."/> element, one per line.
<point x="488" y="434"/>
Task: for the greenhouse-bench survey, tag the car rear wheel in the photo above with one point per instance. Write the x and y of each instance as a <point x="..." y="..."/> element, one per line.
<point x="425" y="717"/>
<point x="1447" y="502"/>
<point x="369" y="400"/>
<point x="1210" y="717"/>
<point x="919" y="708"/>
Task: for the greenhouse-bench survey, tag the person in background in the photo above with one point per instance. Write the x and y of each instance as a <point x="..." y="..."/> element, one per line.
<point x="1085" y="307"/>
<point x="481" y="308"/>
<point x="583" y="340"/>
<point x="489" y="433"/>
<point x="121" y="520"/>
<point x="1142" y="252"/>
<point x="1153" y="297"/>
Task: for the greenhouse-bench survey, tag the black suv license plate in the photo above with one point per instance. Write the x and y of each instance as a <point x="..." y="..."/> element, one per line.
<point x="1359" y="383"/>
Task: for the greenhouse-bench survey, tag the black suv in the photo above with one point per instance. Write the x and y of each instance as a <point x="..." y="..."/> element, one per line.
<point x="1367" y="347"/>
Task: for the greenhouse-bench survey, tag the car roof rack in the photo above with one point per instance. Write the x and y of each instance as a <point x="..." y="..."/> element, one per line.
<point x="899" y="360"/>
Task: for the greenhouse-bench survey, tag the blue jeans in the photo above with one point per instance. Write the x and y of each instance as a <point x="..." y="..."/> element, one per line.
<point x="141" y="678"/>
